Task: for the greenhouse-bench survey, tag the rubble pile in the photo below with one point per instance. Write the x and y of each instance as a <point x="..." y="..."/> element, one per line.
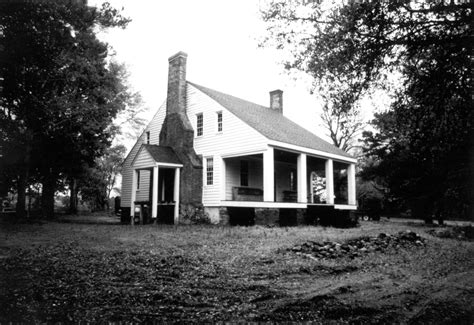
<point x="456" y="232"/>
<point x="356" y="247"/>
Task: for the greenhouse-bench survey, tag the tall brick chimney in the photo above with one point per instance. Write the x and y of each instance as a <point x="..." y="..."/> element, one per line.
<point x="276" y="100"/>
<point x="178" y="133"/>
<point x="176" y="100"/>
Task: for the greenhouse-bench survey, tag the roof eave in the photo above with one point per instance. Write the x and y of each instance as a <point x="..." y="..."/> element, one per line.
<point x="314" y="152"/>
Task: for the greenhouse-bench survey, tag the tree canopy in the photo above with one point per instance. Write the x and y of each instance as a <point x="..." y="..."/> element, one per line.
<point x="61" y="92"/>
<point x="421" y="146"/>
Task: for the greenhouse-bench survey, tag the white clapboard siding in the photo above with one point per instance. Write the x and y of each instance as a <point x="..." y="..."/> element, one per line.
<point x="211" y="193"/>
<point x="255" y="176"/>
<point x="154" y="127"/>
<point x="235" y="139"/>
<point x="143" y="160"/>
<point x="143" y="193"/>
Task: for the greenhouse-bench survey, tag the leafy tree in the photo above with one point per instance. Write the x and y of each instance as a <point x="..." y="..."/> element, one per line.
<point x="60" y="93"/>
<point x="97" y="182"/>
<point x="343" y="126"/>
<point x="306" y="33"/>
<point x="420" y="147"/>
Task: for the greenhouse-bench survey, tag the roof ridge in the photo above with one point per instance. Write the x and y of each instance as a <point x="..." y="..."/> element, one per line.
<point x="228" y="95"/>
<point x="270" y="123"/>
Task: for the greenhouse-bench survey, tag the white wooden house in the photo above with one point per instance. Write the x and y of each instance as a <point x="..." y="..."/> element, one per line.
<point x="209" y="150"/>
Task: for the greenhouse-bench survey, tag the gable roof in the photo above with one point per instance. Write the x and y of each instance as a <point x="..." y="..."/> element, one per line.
<point x="162" y="154"/>
<point x="270" y="123"/>
<point x="137" y="142"/>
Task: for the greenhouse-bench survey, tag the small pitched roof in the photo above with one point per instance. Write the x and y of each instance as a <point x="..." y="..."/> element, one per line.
<point x="162" y="154"/>
<point x="270" y="123"/>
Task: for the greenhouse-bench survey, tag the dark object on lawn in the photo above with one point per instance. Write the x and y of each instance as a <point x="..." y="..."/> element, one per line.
<point x="457" y="232"/>
<point x="117" y="209"/>
<point x="370" y="209"/>
<point x="367" y="215"/>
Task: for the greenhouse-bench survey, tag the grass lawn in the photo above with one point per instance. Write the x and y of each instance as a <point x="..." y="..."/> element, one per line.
<point x="71" y="272"/>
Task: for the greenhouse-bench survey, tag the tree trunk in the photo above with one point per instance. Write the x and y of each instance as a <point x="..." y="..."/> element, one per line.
<point x="47" y="198"/>
<point x="73" y="196"/>
<point x="21" y="197"/>
<point x="23" y="183"/>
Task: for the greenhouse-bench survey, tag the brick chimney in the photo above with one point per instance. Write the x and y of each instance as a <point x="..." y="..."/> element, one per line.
<point x="177" y="133"/>
<point x="176" y="100"/>
<point x="276" y="100"/>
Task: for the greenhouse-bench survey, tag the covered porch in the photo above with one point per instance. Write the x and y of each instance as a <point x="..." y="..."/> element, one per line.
<point x="155" y="186"/>
<point x="283" y="178"/>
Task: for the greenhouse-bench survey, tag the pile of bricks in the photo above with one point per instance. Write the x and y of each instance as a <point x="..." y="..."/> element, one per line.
<point x="359" y="246"/>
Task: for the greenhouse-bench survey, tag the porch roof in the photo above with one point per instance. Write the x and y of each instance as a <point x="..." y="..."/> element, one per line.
<point x="162" y="154"/>
<point x="273" y="125"/>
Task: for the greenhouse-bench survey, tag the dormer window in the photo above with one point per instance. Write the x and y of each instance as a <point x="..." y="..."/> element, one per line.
<point x="199" y="124"/>
<point x="219" y="121"/>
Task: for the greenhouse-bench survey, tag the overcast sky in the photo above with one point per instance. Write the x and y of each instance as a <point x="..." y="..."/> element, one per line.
<point x="221" y="40"/>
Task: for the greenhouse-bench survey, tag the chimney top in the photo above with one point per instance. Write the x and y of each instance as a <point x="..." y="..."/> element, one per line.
<point x="276" y="100"/>
<point x="177" y="55"/>
<point x="176" y="98"/>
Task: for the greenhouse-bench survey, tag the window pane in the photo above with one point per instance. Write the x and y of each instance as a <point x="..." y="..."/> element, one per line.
<point x="219" y="121"/>
<point x="209" y="171"/>
<point x="199" y="124"/>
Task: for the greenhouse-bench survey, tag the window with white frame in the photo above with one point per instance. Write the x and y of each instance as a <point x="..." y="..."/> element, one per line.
<point x="219" y="121"/>
<point x="199" y="124"/>
<point x="138" y="179"/>
<point x="209" y="171"/>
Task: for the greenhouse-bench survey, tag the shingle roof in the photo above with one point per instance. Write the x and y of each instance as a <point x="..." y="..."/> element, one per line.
<point x="162" y="154"/>
<point x="271" y="123"/>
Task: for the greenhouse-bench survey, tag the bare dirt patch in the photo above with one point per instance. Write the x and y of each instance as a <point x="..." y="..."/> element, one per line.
<point x="63" y="272"/>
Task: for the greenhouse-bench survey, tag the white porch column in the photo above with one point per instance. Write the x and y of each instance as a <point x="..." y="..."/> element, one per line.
<point x="154" y="198"/>
<point x="351" y="184"/>
<point x="133" y="196"/>
<point x="329" y="182"/>
<point x="268" y="176"/>
<point x="223" y="179"/>
<point x="302" y="178"/>
<point x="176" y="195"/>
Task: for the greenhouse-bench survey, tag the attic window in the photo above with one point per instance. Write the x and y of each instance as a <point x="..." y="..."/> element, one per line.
<point x="199" y="124"/>
<point x="148" y="137"/>
<point x="219" y="121"/>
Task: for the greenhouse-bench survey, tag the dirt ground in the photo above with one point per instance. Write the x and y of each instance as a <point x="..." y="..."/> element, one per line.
<point x="70" y="272"/>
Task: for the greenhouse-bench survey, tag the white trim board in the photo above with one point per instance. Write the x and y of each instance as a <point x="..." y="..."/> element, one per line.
<point x="318" y="153"/>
